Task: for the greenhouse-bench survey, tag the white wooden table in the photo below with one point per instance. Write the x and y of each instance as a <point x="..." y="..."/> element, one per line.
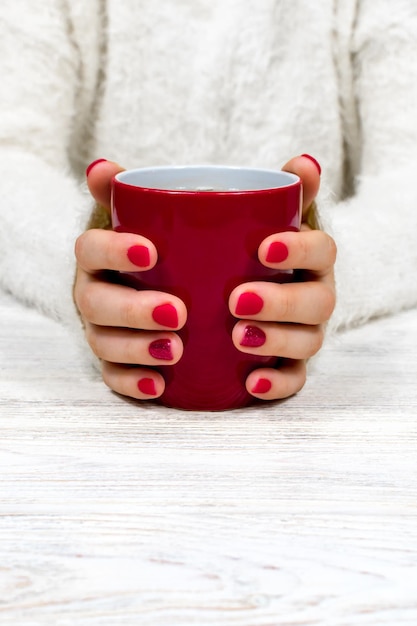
<point x="298" y="513"/>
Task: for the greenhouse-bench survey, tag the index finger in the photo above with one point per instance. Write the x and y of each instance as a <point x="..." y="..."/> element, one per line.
<point x="308" y="169"/>
<point x="312" y="250"/>
<point x="98" y="250"/>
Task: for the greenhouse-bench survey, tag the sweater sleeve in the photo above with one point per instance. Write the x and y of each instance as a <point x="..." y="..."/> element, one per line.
<point x="43" y="204"/>
<point x="375" y="228"/>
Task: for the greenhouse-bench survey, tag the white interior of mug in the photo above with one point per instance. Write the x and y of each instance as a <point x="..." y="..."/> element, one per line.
<point x="207" y="178"/>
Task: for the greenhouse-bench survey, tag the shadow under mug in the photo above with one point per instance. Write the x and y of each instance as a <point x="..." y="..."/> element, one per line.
<point x="207" y="223"/>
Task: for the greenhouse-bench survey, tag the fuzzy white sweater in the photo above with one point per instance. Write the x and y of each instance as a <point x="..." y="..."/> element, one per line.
<point x="213" y="81"/>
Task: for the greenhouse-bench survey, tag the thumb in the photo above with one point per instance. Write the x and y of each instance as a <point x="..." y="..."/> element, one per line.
<point x="99" y="176"/>
<point x="308" y="169"/>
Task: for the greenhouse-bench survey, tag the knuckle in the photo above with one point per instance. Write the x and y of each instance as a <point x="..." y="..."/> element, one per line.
<point x="328" y="303"/>
<point x="316" y="340"/>
<point x="131" y="350"/>
<point x="116" y="378"/>
<point x="286" y="306"/>
<point x="282" y="343"/>
<point x="303" y="250"/>
<point x="109" y="252"/>
<point x="130" y="312"/>
<point x="292" y="383"/>
<point x="332" y="250"/>
<point x="94" y="340"/>
<point x="80" y="246"/>
<point x="85" y="302"/>
<point x="107" y="375"/>
<point x="302" y="377"/>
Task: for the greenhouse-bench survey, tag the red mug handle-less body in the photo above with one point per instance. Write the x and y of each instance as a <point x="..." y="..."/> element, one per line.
<point x="207" y="223"/>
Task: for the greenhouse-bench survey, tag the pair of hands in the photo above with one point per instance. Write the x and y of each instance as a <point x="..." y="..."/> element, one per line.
<point x="126" y="329"/>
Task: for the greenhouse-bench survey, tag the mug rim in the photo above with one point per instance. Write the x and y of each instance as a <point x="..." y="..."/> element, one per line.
<point x="235" y="171"/>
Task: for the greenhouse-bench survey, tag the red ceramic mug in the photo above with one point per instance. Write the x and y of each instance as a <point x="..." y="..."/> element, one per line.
<point x="207" y="223"/>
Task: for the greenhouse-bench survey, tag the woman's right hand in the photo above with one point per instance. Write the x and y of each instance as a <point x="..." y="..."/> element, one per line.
<point x="128" y="330"/>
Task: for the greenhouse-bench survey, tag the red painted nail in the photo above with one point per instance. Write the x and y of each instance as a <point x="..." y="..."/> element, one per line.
<point x="93" y="164"/>
<point x="253" y="337"/>
<point x="249" y="303"/>
<point x="262" y="386"/>
<point x="139" y="255"/>
<point x="277" y="252"/>
<point x="316" y="163"/>
<point x="165" y="315"/>
<point x="147" y="386"/>
<point x="161" y="349"/>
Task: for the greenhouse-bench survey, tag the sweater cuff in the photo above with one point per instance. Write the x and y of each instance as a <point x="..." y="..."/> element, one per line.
<point x="46" y="210"/>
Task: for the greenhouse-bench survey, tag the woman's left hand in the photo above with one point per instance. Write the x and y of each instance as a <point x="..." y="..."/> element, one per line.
<point x="287" y="320"/>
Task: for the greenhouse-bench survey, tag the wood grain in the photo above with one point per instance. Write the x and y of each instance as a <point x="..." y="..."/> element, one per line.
<point x="294" y="513"/>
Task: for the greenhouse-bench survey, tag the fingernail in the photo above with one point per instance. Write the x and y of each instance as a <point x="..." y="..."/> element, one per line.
<point x="262" y="386"/>
<point x="93" y="164"/>
<point x="249" y="303"/>
<point x="161" y="349"/>
<point x="277" y="252"/>
<point x="253" y="337"/>
<point x="165" y="315"/>
<point x="139" y="255"/>
<point x="147" y="386"/>
<point x="316" y="163"/>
